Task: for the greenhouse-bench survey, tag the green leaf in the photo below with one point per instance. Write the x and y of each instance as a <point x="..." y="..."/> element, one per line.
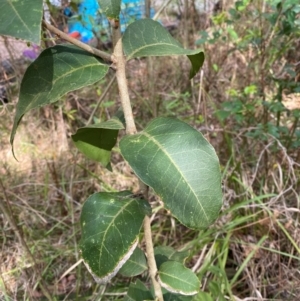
<point x="147" y="37"/>
<point x="21" y="19"/>
<point x="55" y="72"/>
<point x="202" y="296"/>
<point x="197" y="61"/>
<point x="96" y="141"/>
<point x="135" y="265"/>
<point x="182" y="168"/>
<point x="173" y="297"/>
<point x="176" y="278"/>
<point x="216" y="290"/>
<point x="110" y="224"/>
<point x="111" y="8"/>
<point x="138" y="292"/>
<point x="165" y="253"/>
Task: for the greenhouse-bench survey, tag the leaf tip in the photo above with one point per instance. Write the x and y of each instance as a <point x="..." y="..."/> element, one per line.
<point x="197" y="61"/>
<point x="109" y="167"/>
<point x="13" y="152"/>
<point x="12" y="138"/>
<point x="104" y="279"/>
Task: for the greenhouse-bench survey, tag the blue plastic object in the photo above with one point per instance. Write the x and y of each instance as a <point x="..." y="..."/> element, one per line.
<point x="84" y="22"/>
<point x="91" y="21"/>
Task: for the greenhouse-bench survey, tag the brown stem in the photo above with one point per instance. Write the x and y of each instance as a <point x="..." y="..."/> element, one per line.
<point x="120" y="63"/>
<point x="61" y="34"/>
<point x="149" y="248"/>
<point x="101" y="99"/>
<point x="147" y="8"/>
<point x="186" y="24"/>
<point x="151" y="259"/>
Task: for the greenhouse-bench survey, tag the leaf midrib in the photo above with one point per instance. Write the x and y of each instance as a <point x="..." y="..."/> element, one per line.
<point x="54" y="83"/>
<point x="177" y="168"/>
<point x="109" y="226"/>
<point x="185" y="51"/>
<point x="172" y="276"/>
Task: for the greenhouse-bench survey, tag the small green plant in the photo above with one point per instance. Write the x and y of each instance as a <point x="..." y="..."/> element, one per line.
<point x="254" y="102"/>
<point x="169" y="156"/>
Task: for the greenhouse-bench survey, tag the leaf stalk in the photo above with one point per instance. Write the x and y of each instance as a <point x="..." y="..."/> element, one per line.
<point x="105" y="56"/>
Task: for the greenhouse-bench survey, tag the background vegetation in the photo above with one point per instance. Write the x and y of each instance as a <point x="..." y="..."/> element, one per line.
<point x="244" y="100"/>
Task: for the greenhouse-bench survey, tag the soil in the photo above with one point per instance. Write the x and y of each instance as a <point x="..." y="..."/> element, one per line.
<point x="11" y="48"/>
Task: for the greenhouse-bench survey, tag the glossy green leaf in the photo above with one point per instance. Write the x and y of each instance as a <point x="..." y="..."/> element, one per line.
<point x="176" y="278"/>
<point x="138" y="292"/>
<point x="147" y="37"/>
<point x="110" y="224"/>
<point x="21" y="19"/>
<point x="111" y="8"/>
<point x="135" y="265"/>
<point x="182" y="168"/>
<point x="166" y="253"/>
<point x="96" y="141"/>
<point x="55" y="72"/>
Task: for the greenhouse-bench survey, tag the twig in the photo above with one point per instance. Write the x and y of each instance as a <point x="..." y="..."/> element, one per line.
<point x="70" y="269"/>
<point x="200" y="92"/>
<point x="199" y="260"/>
<point x="186" y="23"/>
<point x="164" y="5"/>
<point x="9" y="216"/>
<point x="101" y="99"/>
<point x="61" y="34"/>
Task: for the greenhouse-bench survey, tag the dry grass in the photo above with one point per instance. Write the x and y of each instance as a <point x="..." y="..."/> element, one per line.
<point x="46" y="189"/>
